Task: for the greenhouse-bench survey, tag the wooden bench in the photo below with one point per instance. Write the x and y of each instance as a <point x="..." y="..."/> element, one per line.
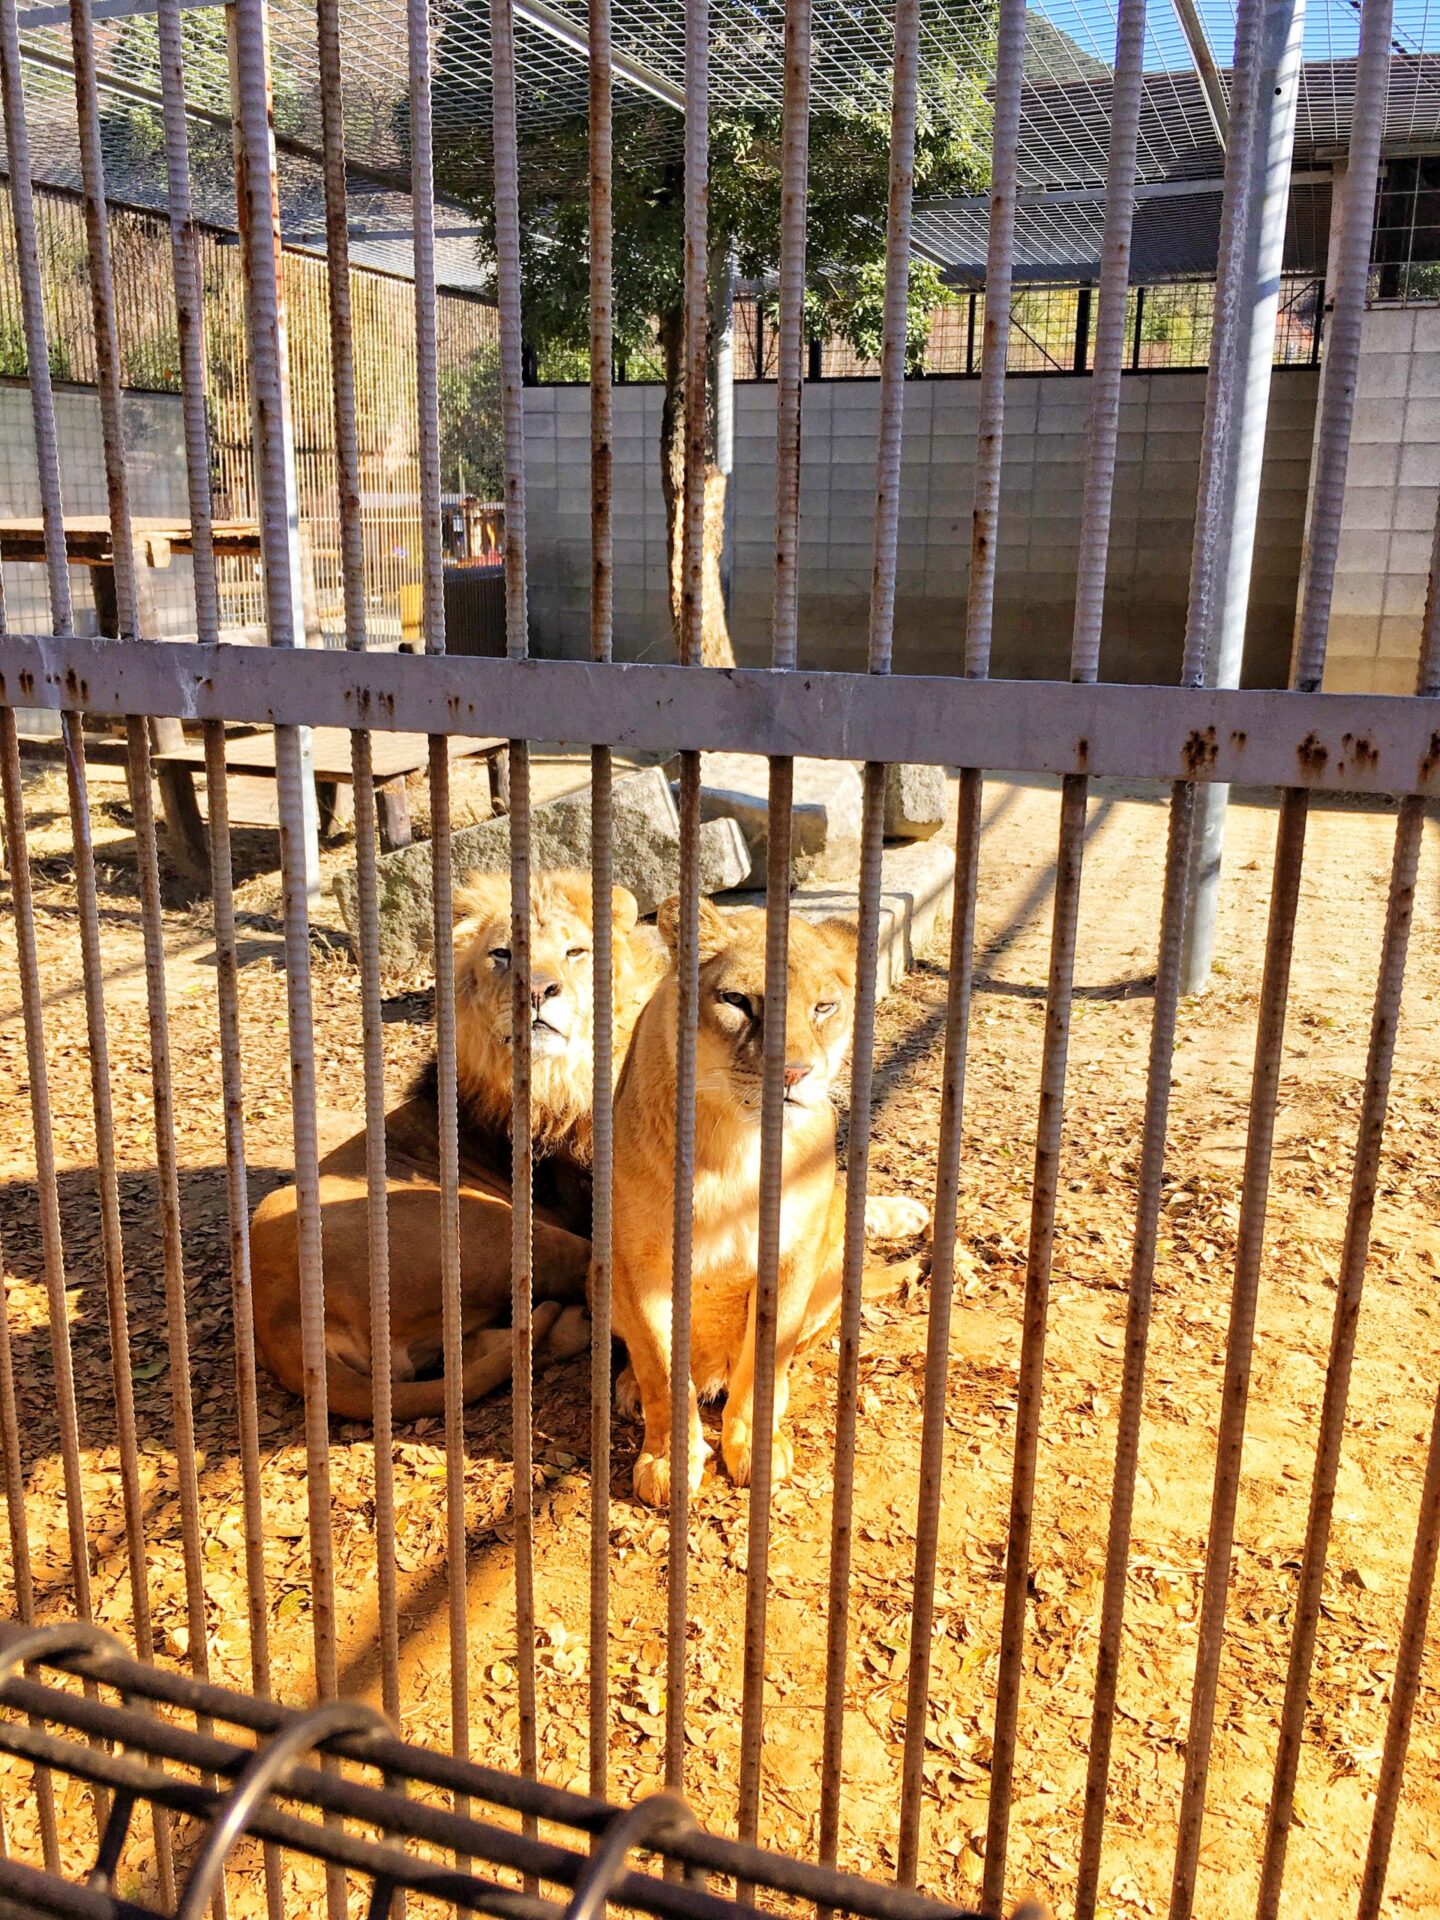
<point x="393" y="757"/>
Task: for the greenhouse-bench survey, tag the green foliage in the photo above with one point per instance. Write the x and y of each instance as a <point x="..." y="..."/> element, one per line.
<point x="847" y="194"/>
<point x="470" y="430"/>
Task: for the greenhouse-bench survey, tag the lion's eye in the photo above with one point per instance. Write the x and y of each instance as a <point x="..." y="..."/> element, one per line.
<point x="576" y="953"/>
<point x="824" y="1009"/>
<point x="500" y="955"/>
<point x="742" y="1001"/>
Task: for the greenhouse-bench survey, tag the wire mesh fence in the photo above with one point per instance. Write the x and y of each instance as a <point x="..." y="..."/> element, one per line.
<point x="661" y="1264"/>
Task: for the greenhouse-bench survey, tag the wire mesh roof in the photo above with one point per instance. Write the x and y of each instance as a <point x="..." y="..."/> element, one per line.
<point x="1064" y="134"/>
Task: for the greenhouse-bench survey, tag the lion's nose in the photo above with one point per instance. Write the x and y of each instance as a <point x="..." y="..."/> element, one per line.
<point x="543" y="987"/>
<point x="795" y="1072"/>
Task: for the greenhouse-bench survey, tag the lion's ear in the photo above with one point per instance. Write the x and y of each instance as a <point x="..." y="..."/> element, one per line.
<point x="714" y="926"/>
<point x="624" y="909"/>
<point x="841" y="936"/>
<point x="483" y="896"/>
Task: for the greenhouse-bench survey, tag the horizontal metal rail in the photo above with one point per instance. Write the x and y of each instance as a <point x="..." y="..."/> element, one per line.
<point x="478" y="1839"/>
<point x="1323" y="742"/>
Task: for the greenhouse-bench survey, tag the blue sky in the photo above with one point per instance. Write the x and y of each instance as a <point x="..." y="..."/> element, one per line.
<point x="1331" y="28"/>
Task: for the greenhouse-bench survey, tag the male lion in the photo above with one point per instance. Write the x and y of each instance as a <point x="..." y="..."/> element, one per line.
<point x="562" y="1068"/>
<point x="821" y="985"/>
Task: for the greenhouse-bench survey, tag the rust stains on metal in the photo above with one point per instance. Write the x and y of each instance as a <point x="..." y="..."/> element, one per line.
<point x="1238" y="739"/>
<point x="1082" y="755"/>
<point x="27" y="683"/>
<point x="1312" y="754"/>
<point x="1200" y="751"/>
<point x="1361" y="752"/>
<point x="1429" y="760"/>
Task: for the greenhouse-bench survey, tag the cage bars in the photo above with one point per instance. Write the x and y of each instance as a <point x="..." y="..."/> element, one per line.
<point x="979" y="614"/>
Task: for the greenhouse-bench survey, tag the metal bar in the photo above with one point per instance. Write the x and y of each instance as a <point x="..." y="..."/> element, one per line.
<point x="703" y="1853"/>
<point x="1069" y="863"/>
<point x="1265" y="1082"/>
<point x="507" y="246"/>
<point x="551" y="21"/>
<point x="1137" y="1333"/>
<point x="13" y="1468"/>
<point x="112" y="1238"/>
<point x="979" y="614"/>
<point x="1337" y="399"/>
<point x="602" y="872"/>
<point x="189" y="309"/>
<point x="1256" y="737"/>
<point x="257" y="193"/>
<point x="1212" y="87"/>
<point x="692" y="621"/>
<point x="906" y="58"/>
<point x="1257" y="186"/>
<point x="32" y="308"/>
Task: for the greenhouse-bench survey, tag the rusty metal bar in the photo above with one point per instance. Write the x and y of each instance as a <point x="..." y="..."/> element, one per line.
<point x="602" y="872"/>
<point x="107" y="363"/>
<point x="692" y="621"/>
<point x="1259" y="737"/>
<point x="1069" y="863"/>
<point x="112" y="1238"/>
<point x="979" y="616"/>
<point x="32" y="308"/>
<point x="257" y="192"/>
<point x="904" y="87"/>
<point x="1337" y="398"/>
<point x="13" y="1469"/>
<point x="189" y="308"/>
<point x="507" y="247"/>
<point x="1317" y="582"/>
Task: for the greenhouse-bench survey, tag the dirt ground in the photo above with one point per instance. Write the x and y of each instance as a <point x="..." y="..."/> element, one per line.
<point x="1396" y="1370"/>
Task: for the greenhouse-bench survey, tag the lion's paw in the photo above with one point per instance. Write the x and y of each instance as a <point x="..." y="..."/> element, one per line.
<point x="627" y="1394"/>
<point x="738" y="1452"/>
<point x="652" y="1475"/>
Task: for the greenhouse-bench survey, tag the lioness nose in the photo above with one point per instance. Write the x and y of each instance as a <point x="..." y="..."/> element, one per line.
<point x="543" y="987"/>
<point x="795" y="1072"/>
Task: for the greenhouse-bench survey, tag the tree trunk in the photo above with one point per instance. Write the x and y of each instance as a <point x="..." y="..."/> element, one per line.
<point x="715" y="647"/>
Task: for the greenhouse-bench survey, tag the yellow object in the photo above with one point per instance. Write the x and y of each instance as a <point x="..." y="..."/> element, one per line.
<point x="412" y="609"/>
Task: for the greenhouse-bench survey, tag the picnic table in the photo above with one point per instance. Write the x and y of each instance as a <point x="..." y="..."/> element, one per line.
<point x="89" y="542"/>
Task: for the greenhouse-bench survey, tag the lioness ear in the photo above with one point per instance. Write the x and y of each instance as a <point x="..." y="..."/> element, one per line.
<point x="624" y="909"/>
<point x="482" y="896"/>
<point x="714" y="927"/>
<point x="841" y="937"/>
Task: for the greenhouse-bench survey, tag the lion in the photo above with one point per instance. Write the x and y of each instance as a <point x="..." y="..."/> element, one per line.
<point x="729" y="1046"/>
<point x="562" y="1084"/>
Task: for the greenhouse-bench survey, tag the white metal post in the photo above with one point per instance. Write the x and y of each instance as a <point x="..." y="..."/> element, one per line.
<point x="1266" y="135"/>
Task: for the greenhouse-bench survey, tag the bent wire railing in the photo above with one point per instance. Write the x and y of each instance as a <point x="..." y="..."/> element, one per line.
<point x="1297" y="741"/>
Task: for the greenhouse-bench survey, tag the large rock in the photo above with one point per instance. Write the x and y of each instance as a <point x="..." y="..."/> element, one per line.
<point x="825" y="822"/>
<point x="917" y="885"/>
<point x="646" y="839"/>
<point x="914" y="801"/>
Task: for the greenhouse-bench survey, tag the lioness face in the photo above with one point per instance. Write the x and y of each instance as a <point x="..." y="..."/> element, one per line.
<point x="819" y="1000"/>
<point x="562" y="994"/>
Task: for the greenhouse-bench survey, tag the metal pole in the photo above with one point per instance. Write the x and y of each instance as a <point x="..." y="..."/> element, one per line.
<point x="1264" y="187"/>
<point x="722" y="297"/>
<point x="281" y="435"/>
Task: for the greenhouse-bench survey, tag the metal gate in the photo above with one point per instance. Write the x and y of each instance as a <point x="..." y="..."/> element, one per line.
<point x="1299" y="742"/>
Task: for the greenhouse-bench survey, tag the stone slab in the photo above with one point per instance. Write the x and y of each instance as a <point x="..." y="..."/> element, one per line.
<point x="826" y="820"/>
<point x="647" y="860"/>
<point x="916" y="887"/>
<point x="915" y="798"/>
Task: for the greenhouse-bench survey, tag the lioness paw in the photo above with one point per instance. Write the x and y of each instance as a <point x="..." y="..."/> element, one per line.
<point x="894" y="1217"/>
<point x="652" y="1476"/>
<point x="739" y="1456"/>
<point x="627" y="1395"/>
<point x="569" y="1335"/>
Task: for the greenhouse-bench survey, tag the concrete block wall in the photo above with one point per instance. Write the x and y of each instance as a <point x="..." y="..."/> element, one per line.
<point x="1390" y="495"/>
<point x="155" y="460"/>
<point x="1046" y="419"/>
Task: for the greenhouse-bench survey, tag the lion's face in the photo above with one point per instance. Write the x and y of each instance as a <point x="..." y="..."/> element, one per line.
<point x="562" y="994"/>
<point x="731" y="1027"/>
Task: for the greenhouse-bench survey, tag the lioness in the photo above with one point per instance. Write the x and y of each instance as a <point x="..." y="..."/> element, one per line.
<point x="821" y="984"/>
<point x="562" y="1068"/>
